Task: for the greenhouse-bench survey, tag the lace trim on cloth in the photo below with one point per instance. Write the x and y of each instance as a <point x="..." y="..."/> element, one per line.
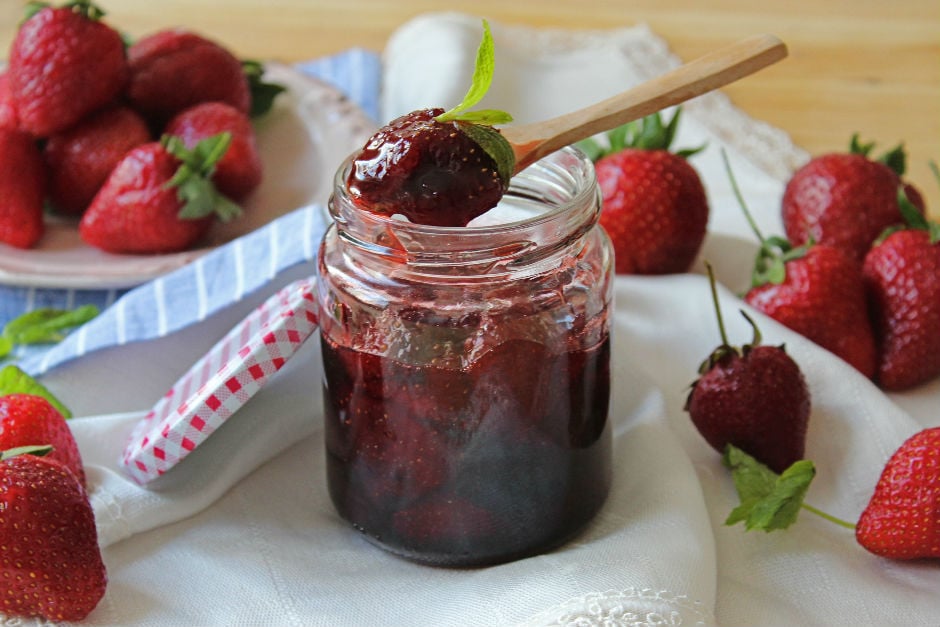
<point x="631" y="607"/>
<point x="649" y="56"/>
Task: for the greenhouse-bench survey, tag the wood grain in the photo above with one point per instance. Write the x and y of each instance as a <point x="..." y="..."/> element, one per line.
<point x="864" y="66"/>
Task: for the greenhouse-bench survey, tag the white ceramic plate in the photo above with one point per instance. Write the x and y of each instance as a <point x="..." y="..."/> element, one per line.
<point x="309" y="131"/>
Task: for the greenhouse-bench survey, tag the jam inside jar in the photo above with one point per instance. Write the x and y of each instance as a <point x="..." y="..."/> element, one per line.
<point x="466" y="370"/>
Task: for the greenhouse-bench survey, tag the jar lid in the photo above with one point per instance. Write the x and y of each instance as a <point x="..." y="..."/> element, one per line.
<point x="221" y="382"/>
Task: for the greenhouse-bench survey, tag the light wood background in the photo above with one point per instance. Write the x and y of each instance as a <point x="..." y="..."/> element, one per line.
<point x="871" y="66"/>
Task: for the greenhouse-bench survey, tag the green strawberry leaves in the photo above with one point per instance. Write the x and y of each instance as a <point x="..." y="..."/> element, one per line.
<point x="913" y="218"/>
<point x="15" y="381"/>
<point x="39" y="450"/>
<point x="649" y="133"/>
<point x="192" y="179"/>
<point x="480" y="84"/>
<point x="895" y="159"/>
<point x="262" y="93"/>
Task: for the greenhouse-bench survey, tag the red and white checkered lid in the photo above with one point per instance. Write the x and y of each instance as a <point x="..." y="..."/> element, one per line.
<point x="221" y="382"/>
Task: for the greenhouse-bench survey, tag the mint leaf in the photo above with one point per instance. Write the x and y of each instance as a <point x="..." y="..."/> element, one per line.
<point x="5" y="346"/>
<point x="768" y="501"/>
<point x="480" y="84"/>
<point x="46" y="325"/>
<point x="495" y="145"/>
<point x="15" y="381"/>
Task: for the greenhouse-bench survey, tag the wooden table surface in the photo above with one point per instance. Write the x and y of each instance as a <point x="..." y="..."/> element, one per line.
<point x="855" y="65"/>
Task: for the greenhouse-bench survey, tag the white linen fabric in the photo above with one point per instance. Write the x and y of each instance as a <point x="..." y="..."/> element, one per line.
<point x="242" y="532"/>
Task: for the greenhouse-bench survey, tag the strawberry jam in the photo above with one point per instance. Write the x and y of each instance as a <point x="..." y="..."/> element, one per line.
<point x="499" y="460"/>
<point x="466" y="370"/>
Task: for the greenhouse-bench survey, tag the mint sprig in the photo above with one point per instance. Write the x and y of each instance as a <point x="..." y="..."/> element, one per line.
<point x="480" y="84"/>
<point x="770" y="501"/>
<point x="43" y="326"/>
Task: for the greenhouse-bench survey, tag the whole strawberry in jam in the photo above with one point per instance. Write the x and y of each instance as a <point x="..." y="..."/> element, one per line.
<point x="902" y="276"/>
<point x="754" y="398"/>
<point x="902" y="519"/>
<point x="50" y="562"/>
<point x="846" y="199"/>
<point x="435" y="167"/>
<point x="654" y="205"/>
<point x="64" y="64"/>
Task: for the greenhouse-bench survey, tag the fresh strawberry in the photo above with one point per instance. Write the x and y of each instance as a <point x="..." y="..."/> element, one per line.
<point x="8" y="117"/>
<point x="158" y="199"/>
<point x="654" y="205"/>
<point x="902" y="519"/>
<point x="50" y="562"/>
<point x="239" y="171"/>
<point x="64" y="64"/>
<point x="436" y="167"/>
<point x="902" y="276"/>
<point x="175" y="69"/>
<point x="81" y="157"/>
<point x="26" y="420"/>
<point x="846" y="199"/>
<point x="754" y="398"/>
<point x="22" y="188"/>
<point x="815" y="290"/>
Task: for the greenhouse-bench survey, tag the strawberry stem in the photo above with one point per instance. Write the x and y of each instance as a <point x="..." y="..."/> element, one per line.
<point x="829" y="517"/>
<point x="740" y="198"/>
<point x="721" y="322"/>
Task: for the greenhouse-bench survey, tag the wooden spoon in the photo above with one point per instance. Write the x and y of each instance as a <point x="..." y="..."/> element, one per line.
<point x="531" y="142"/>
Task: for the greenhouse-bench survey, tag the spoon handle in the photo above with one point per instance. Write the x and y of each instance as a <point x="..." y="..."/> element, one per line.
<point x="533" y="141"/>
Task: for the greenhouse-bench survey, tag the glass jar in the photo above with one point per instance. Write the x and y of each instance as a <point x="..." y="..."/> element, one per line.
<point x="466" y="370"/>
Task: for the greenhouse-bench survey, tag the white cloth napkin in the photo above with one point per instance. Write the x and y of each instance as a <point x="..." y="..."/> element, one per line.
<point x="229" y="540"/>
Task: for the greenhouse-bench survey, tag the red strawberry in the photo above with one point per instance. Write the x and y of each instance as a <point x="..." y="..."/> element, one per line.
<point x="432" y="172"/>
<point x="845" y="200"/>
<point x="64" y="64"/>
<point x="902" y="520"/>
<point x="27" y="420"/>
<point x="902" y="276"/>
<point x="81" y="157"/>
<point x="816" y="290"/>
<point x="8" y="117"/>
<point x="150" y="204"/>
<point x="50" y="563"/>
<point x="754" y="398"/>
<point x="654" y="205"/>
<point x="22" y="188"/>
<point x="239" y="171"/>
<point x="173" y="70"/>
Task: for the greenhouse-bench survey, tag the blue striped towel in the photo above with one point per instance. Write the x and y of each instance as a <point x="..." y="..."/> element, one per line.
<point x="213" y="281"/>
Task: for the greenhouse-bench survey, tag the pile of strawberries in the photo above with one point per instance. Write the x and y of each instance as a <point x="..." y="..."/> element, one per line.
<point x="147" y="143"/>
<point x="858" y="271"/>
<point x="50" y="562"/>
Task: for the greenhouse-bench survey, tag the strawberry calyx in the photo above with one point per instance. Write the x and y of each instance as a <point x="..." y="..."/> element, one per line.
<point x="39" y="450"/>
<point x="913" y="218"/>
<point x="193" y="181"/>
<point x="262" y="92"/>
<point x="895" y="159"/>
<point x="85" y="8"/>
<point x="648" y="133"/>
